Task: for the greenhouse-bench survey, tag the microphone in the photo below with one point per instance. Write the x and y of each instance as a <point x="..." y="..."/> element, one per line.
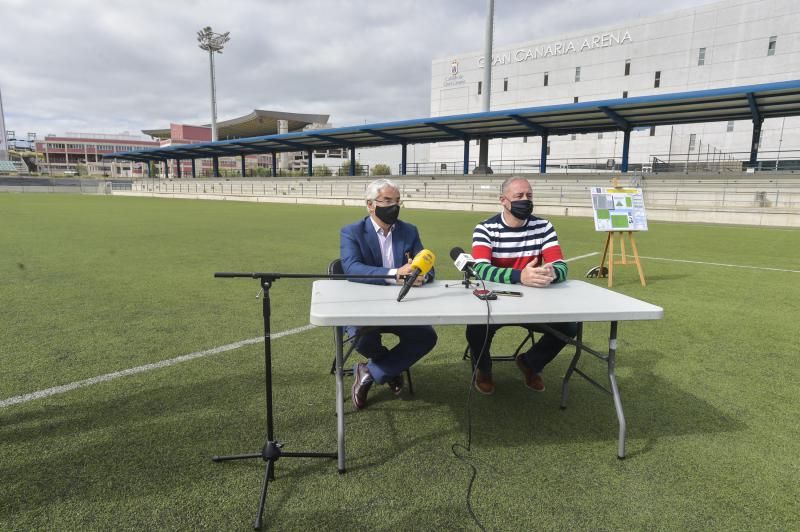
<point x="421" y="264"/>
<point x="463" y="261"/>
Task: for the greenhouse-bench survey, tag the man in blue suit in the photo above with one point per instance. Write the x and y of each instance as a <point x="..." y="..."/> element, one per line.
<point x="381" y="244"/>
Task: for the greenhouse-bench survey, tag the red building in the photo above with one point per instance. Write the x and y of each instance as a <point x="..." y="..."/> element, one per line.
<point x="76" y="153"/>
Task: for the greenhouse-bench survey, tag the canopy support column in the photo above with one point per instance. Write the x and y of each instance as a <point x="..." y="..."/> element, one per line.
<point x="403" y="158"/>
<point x="178" y="170"/>
<point x="166" y="167"/>
<point x="194" y="170"/>
<point x="274" y="165"/>
<point x="543" y="155"/>
<point x="310" y="162"/>
<point x="352" y="160"/>
<point x="626" y="144"/>
<point x="466" y="156"/>
<point x="754" y="142"/>
<point x="244" y="168"/>
<point x="215" y="166"/>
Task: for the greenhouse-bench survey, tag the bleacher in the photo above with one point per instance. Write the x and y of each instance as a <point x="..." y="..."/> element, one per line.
<point x="756" y="199"/>
<point x="9" y="167"/>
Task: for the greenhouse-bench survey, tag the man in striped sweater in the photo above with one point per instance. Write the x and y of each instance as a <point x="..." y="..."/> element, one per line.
<point x="516" y="247"/>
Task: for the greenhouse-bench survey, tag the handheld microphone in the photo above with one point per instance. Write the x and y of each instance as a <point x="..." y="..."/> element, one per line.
<point x="463" y="261"/>
<point x="421" y="265"/>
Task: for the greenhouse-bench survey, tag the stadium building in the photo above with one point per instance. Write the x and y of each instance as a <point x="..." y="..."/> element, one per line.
<point x="82" y="153"/>
<point x="724" y="44"/>
<point x="76" y="153"/>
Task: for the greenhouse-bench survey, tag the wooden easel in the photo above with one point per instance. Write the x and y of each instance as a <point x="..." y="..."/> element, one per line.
<point x="608" y="251"/>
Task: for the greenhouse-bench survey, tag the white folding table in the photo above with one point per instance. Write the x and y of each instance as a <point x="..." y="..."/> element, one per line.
<point x="340" y="303"/>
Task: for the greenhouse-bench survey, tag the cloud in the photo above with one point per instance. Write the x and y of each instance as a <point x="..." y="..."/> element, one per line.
<point x="79" y="65"/>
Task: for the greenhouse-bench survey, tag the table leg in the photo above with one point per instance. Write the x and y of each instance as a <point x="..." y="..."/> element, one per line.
<point x="572" y="365"/>
<point x="612" y="378"/>
<point x="338" y="335"/>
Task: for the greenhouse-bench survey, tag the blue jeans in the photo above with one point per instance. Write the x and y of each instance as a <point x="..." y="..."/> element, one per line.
<point x="415" y="341"/>
<point x="536" y="358"/>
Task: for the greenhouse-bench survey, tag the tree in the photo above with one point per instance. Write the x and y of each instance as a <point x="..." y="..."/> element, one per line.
<point x="381" y="169"/>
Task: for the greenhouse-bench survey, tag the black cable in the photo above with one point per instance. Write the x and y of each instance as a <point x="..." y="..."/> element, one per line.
<point x="468" y="447"/>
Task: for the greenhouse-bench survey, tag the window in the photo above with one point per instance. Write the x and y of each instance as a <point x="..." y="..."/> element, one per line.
<point x="505" y="84"/>
<point x="548" y="147"/>
<point x="657" y="80"/>
<point x="627" y="67"/>
<point x="692" y="139"/>
<point x="730" y="126"/>
<point x="546" y="78"/>
<point x="480" y="87"/>
<point x="652" y="131"/>
<point x="574" y="99"/>
<point x="525" y="139"/>
<point x="771" y="47"/>
<point x="600" y="135"/>
<point x="577" y="73"/>
<point x="573" y="136"/>
<point x="624" y="94"/>
<point x="701" y="57"/>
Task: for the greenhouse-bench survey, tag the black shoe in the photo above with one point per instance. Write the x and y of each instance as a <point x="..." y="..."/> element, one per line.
<point x="362" y="381"/>
<point x="396" y="384"/>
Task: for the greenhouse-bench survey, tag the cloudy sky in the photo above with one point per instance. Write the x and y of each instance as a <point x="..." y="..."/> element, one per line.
<point x="111" y="66"/>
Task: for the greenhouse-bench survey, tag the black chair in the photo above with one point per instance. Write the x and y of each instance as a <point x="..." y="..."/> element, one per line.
<point x="335" y="267"/>
<point x="508" y="358"/>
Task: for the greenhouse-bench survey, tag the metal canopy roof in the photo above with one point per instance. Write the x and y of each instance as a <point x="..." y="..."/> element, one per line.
<point x="753" y="102"/>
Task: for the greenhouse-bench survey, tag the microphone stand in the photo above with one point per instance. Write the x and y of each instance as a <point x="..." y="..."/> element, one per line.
<point x="272" y="449"/>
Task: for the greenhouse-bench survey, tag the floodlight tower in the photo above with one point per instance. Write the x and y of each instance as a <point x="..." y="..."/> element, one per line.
<point x="212" y="43"/>
<point x="483" y="150"/>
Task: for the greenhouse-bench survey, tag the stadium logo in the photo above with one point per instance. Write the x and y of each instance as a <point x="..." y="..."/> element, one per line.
<point x="454" y="78"/>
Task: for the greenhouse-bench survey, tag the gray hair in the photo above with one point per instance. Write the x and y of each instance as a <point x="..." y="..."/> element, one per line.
<point x="510" y="180"/>
<point x="374" y="188"/>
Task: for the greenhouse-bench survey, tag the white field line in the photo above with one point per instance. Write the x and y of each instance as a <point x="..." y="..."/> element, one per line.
<point x="579" y="257"/>
<point x="147" y="367"/>
<point x="719" y="264"/>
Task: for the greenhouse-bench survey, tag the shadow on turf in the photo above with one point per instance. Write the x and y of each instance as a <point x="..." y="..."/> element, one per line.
<point x="514" y="415"/>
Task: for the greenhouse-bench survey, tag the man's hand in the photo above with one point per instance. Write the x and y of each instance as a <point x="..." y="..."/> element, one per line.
<point x="405" y="270"/>
<point x="538" y="276"/>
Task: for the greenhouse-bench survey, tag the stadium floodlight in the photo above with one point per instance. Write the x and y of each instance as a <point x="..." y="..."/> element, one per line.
<point x="212" y="43"/>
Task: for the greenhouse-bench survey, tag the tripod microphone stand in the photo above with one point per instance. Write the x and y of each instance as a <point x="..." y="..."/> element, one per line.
<point x="273" y="449"/>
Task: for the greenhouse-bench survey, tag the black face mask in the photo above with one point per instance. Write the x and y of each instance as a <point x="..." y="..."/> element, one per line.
<point x="521" y="209"/>
<point x="387" y="215"/>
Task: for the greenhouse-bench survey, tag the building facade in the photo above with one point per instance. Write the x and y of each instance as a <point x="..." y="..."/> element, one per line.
<point x="724" y="44"/>
<point x="82" y="153"/>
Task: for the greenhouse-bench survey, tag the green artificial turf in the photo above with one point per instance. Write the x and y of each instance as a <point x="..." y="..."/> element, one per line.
<point x="91" y="285"/>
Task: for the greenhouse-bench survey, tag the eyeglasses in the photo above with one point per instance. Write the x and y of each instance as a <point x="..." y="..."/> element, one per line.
<point x="388" y="202"/>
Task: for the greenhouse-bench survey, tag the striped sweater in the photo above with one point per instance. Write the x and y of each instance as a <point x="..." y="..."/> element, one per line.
<point x="501" y="252"/>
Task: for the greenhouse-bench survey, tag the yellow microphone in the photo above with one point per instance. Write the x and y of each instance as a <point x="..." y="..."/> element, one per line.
<point x="421" y="265"/>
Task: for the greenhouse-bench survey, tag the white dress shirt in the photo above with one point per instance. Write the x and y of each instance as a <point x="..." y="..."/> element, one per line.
<point x="387" y="254"/>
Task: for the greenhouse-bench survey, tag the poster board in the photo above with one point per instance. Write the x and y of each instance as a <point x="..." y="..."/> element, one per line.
<point x="618" y="209"/>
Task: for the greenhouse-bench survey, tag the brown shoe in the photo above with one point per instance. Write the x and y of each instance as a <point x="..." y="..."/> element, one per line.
<point x="484" y="383"/>
<point x="362" y="381"/>
<point x="533" y="380"/>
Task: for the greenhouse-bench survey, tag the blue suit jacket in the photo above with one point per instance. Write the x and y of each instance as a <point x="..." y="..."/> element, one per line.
<point x="360" y="250"/>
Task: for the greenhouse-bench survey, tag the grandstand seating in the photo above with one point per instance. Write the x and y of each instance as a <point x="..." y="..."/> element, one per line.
<point x="8" y="167"/>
